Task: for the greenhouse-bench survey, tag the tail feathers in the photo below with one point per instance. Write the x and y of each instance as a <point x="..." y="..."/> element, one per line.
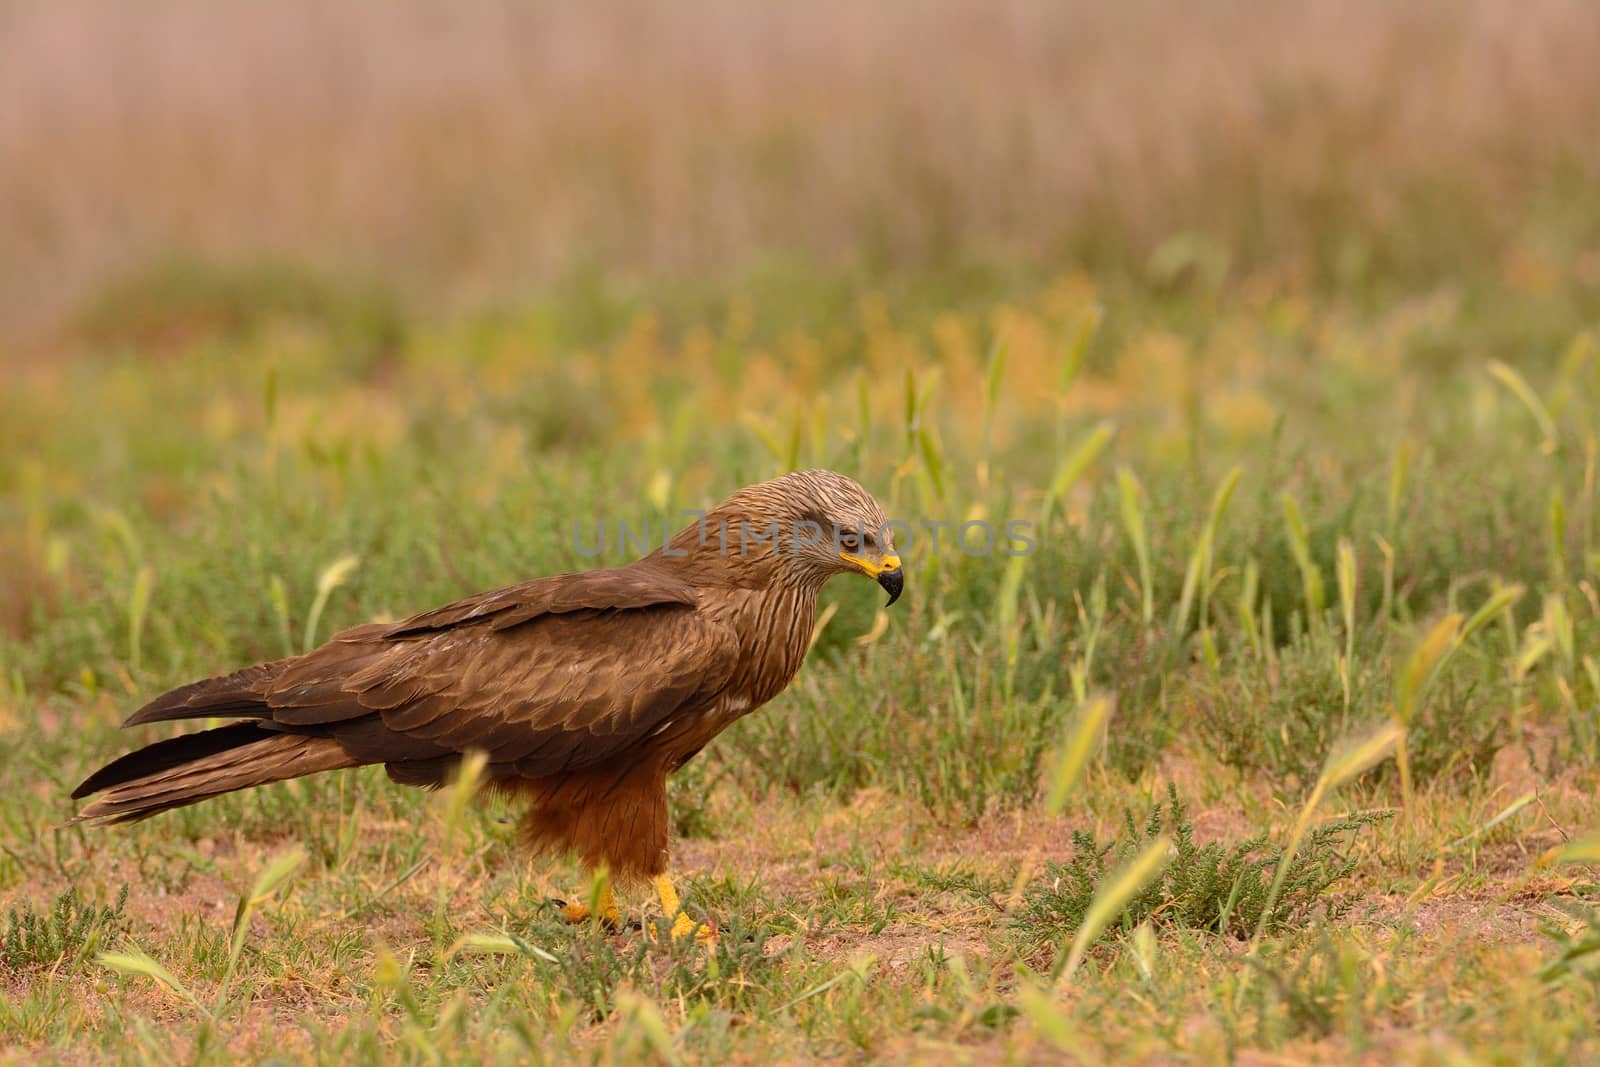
<point x="168" y="755"/>
<point x="185" y="770"/>
<point x="237" y="695"/>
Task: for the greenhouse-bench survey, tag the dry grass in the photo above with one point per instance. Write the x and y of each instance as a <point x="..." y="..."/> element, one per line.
<point x="869" y="844"/>
<point x="465" y="151"/>
<point x="1345" y="261"/>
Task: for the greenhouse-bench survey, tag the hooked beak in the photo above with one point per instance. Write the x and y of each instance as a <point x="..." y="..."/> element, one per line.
<point x="887" y="571"/>
<point x="892" y="582"/>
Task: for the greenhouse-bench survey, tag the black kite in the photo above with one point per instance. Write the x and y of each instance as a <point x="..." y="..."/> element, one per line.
<point x="583" y="690"/>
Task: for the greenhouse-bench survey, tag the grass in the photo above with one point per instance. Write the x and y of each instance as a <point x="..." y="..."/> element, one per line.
<point x="1265" y="526"/>
<point x="1222" y="889"/>
<point x="1279" y="744"/>
<point x="65" y="934"/>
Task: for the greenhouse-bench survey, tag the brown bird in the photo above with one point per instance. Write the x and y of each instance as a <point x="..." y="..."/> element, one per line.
<point x="584" y="691"/>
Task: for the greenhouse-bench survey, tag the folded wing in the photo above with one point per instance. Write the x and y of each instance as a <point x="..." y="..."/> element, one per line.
<point x="546" y="677"/>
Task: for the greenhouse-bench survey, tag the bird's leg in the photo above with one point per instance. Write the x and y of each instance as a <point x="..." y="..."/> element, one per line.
<point x="682" y="925"/>
<point x="605" y="907"/>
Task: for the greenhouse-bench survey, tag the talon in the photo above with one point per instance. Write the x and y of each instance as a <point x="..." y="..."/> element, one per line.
<point x="578" y="914"/>
<point x="606" y="911"/>
<point x="704" y="933"/>
<point x="682" y="925"/>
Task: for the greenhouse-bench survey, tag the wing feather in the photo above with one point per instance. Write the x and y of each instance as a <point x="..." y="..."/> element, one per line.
<point x="551" y="675"/>
<point x="568" y="692"/>
<point x="637" y="585"/>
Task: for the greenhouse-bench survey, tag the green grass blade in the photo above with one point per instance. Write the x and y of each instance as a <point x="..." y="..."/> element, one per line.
<point x="1346" y="575"/>
<point x="332" y="577"/>
<point x="1519" y="388"/>
<point x="1129" y="493"/>
<point x="1081" y="739"/>
<point x="1585" y="849"/>
<point x="1505" y="813"/>
<point x="136" y="963"/>
<point x="1342" y="768"/>
<point x="991" y="393"/>
<point x="1008" y="600"/>
<point x="1310" y="574"/>
<point x="498" y="945"/>
<point x="273" y="876"/>
<point x="464" y="789"/>
<point x="1113" y="895"/>
<point x="1196" y="575"/>
<point x="279" y="594"/>
<point x="138" y="608"/>
<point x="1399" y="466"/>
<point x="1556" y="530"/>
<point x="1421" y="668"/>
<point x="1498" y="602"/>
<point x="1073" y="467"/>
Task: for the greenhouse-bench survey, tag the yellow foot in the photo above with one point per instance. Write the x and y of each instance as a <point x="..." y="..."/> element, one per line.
<point x="682" y="925"/>
<point x="605" y="910"/>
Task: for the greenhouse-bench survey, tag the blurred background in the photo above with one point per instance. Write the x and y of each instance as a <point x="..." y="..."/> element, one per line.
<point x="463" y="154"/>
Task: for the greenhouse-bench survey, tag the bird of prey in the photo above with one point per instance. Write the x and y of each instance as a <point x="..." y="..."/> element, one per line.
<point x="583" y="691"/>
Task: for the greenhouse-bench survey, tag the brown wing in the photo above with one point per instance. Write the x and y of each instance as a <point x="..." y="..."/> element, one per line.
<point x="560" y="693"/>
<point x="635" y="586"/>
<point x="551" y="675"/>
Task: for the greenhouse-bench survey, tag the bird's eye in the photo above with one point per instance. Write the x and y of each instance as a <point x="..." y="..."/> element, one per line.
<point x="849" y="542"/>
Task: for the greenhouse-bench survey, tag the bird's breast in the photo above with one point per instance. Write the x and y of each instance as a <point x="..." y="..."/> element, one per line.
<point x="774" y="633"/>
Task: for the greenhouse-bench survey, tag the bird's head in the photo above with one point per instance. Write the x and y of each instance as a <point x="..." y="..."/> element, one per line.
<point x="813" y="524"/>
